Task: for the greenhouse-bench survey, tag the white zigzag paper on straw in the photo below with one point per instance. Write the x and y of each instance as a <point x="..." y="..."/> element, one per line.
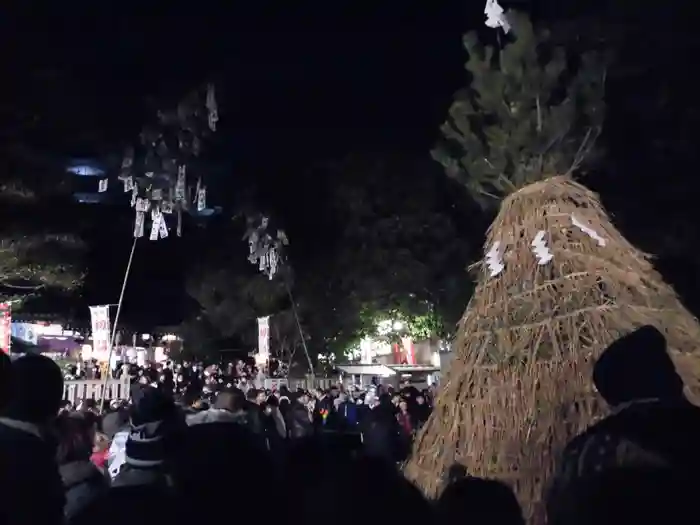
<point x="494" y="259"/>
<point x="539" y="247"/>
<point x="495" y="16"/>
<point x="588" y="231"/>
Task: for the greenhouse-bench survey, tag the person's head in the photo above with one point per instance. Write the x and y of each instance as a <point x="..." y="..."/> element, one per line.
<point x="76" y="438"/>
<point x="37" y="390"/>
<point x="637" y="366"/>
<point x="88" y="405"/>
<point x="334" y="391"/>
<point x="155" y="425"/>
<point x="395" y="400"/>
<point x="231" y="399"/>
<point x="66" y="406"/>
<point x="403" y="405"/>
<point x="420" y="399"/>
<point x="101" y="442"/>
<point x="303" y="398"/>
<point x="252" y="395"/>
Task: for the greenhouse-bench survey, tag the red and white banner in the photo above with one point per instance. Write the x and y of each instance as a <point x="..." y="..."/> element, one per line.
<point x="100" y="332"/>
<point x="263" y="338"/>
<point x="5" y="327"/>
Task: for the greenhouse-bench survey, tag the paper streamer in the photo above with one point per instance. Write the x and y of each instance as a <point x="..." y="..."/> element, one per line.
<point x="588" y="231"/>
<point x="180" y="183"/>
<point x="201" y="199"/>
<point x="494" y="259"/>
<point x="139" y="224"/>
<point x="213" y="116"/>
<point x="162" y="227"/>
<point x="539" y="247"/>
<point x="495" y="16"/>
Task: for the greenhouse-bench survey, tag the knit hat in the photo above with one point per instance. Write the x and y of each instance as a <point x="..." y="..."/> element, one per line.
<point x="153" y="425"/>
<point x="637" y="366"/>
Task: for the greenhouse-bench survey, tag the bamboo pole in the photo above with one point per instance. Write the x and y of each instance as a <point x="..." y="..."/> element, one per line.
<point x="114" y="326"/>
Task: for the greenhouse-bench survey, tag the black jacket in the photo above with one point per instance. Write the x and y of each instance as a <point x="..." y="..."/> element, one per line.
<point x="28" y="471"/>
<point x="298" y="423"/>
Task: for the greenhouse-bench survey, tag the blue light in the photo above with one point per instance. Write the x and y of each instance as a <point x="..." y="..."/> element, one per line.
<point x="85" y="168"/>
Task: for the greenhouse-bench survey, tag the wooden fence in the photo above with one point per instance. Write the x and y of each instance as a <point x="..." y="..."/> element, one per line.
<point x="76" y="391"/>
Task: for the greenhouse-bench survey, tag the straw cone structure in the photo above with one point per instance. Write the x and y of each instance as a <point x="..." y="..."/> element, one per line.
<point x="519" y="386"/>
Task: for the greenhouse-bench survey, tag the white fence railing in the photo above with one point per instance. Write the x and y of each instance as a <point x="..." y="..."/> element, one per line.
<point x="76" y="391"/>
<point x="322" y="383"/>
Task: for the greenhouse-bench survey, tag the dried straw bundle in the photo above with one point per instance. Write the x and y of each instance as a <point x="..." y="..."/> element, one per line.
<point x="519" y="387"/>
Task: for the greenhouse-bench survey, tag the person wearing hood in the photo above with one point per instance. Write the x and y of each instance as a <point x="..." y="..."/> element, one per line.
<point x="639" y="461"/>
<point x="27" y="448"/>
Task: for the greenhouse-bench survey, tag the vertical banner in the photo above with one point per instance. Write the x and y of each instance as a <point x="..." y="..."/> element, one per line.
<point x="5" y="327"/>
<point x="263" y="339"/>
<point x="100" y="332"/>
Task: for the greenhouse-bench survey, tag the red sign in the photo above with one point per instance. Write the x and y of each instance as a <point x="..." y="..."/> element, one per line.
<point x="5" y="327"/>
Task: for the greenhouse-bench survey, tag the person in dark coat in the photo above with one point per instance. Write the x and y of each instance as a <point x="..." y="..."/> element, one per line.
<point x="299" y="423"/>
<point x="28" y="468"/>
<point x="254" y="411"/>
<point x="647" y="445"/>
<point x="82" y="481"/>
<point x="142" y="490"/>
<point x="380" y="431"/>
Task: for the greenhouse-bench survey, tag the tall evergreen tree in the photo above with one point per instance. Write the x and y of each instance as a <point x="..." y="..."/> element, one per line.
<point x="530" y="111"/>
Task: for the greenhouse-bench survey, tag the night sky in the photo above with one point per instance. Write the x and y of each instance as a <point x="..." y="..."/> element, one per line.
<point x="299" y="85"/>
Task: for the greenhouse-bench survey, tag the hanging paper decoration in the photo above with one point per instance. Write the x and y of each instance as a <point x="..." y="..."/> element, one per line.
<point x="495" y="16"/>
<point x="139" y="224"/>
<point x="142" y="205"/>
<point x="155" y="228"/>
<point x="494" y="259"/>
<point x="159" y="229"/>
<point x="213" y="114"/>
<point x="102" y="186"/>
<point x="588" y="231"/>
<point x="539" y="247"/>
<point x="265" y="250"/>
<point x="162" y="227"/>
<point x="155" y="171"/>
<point x="201" y="199"/>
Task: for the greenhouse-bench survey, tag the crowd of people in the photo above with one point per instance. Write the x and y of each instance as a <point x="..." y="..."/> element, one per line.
<point x="384" y="418"/>
<point x="268" y="456"/>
